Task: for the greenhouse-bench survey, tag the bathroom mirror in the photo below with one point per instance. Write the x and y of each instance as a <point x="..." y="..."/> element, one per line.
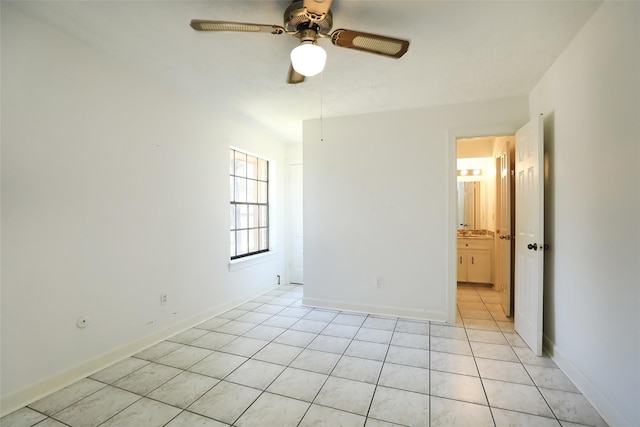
<point x="469" y="205"/>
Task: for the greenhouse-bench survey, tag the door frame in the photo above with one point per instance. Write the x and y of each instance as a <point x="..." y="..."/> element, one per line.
<point x="453" y="134"/>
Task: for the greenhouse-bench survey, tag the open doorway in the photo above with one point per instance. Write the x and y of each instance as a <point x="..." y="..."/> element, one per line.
<point x="484" y="218"/>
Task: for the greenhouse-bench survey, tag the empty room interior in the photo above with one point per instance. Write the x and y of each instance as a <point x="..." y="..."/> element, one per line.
<point x="196" y="233"/>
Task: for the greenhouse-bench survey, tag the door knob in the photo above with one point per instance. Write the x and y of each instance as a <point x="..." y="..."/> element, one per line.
<point x="503" y="237"/>
<point x="532" y="246"/>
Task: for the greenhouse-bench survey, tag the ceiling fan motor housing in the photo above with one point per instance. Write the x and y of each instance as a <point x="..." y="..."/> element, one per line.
<point x="297" y="18"/>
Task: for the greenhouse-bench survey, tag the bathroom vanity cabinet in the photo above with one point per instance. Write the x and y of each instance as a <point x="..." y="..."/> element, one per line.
<point x="475" y="260"/>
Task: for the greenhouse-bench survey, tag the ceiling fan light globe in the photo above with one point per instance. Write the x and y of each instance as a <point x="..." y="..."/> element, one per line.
<point x="308" y="59"/>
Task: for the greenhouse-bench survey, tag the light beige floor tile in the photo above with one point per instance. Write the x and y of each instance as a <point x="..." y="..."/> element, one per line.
<point x="349" y="319"/>
<point x="458" y="387"/>
<point x="298" y="384"/>
<point x="492" y="337"/>
<point x="355" y="368"/>
<point x="399" y="406"/>
<point x="404" y="339"/>
<point x="387" y="324"/>
<point x="213" y="324"/>
<point x="330" y="344"/>
<point x="296" y="338"/>
<point x="236" y="327"/>
<point x="453" y="413"/>
<point x="23" y="417"/>
<point x="213" y="340"/>
<point x="67" y="396"/>
<point x="454" y="363"/>
<point x="338" y="330"/>
<point x="147" y="378"/>
<point x="322" y="315"/>
<point x="225" y="402"/>
<point x="185" y="356"/>
<point x="280" y="321"/>
<point x="374" y="335"/>
<point x="97" y="408"/>
<point x="316" y="361"/>
<point x="367" y="350"/>
<point x="516" y="397"/>
<point x="527" y="357"/>
<point x="184" y="389"/>
<point x="273" y="410"/>
<point x="254" y="317"/>
<point x="243" y="346"/>
<point x="189" y="419"/>
<point x="405" y="378"/>
<point x="494" y="351"/>
<point x="263" y="332"/>
<point x="120" y="369"/>
<point x="155" y="352"/>
<point x="572" y="407"/>
<point x="489" y="325"/>
<point x="145" y="412"/>
<point x="321" y="416"/>
<point x="298" y="312"/>
<point x="347" y="395"/>
<point x="187" y="336"/>
<point x="448" y="332"/>
<point x="278" y="353"/>
<point x="412" y="327"/>
<point x="501" y="370"/>
<point x="504" y="418"/>
<point x="408" y="356"/>
<point x="306" y="325"/>
<point x="255" y="373"/>
<point x="450" y="345"/>
<point x="218" y="365"/>
<point x="552" y="378"/>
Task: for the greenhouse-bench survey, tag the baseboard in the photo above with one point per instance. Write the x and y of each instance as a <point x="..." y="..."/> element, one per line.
<point x="434" y="316"/>
<point x="53" y="383"/>
<point x="601" y="404"/>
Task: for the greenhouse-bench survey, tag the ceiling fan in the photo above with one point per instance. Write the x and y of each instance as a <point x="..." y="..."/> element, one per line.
<point x="310" y="20"/>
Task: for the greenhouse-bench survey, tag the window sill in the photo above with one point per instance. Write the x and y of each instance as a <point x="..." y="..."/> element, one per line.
<point x="252" y="260"/>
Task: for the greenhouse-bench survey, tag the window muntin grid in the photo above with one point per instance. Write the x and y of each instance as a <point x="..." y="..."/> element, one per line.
<point x="249" y="208"/>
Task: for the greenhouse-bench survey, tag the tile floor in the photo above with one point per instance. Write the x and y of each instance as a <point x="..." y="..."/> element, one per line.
<point x="272" y="362"/>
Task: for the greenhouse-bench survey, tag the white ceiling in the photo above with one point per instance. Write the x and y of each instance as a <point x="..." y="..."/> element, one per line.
<point x="461" y="51"/>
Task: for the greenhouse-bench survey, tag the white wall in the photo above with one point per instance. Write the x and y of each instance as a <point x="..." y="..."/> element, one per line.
<point x="590" y="98"/>
<point x="114" y="190"/>
<point x="378" y="204"/>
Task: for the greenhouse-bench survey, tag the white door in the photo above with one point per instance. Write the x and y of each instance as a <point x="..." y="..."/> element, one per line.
<point x="529" y="233"/>
<point x="503" y="245"/>
<point x="296" y="259"/>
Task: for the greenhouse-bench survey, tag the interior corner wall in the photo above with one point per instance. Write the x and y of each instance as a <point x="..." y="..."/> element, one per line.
<point x="376" y="206"/>
<point x="115" y="189"/>
<point x="590" y="98"/>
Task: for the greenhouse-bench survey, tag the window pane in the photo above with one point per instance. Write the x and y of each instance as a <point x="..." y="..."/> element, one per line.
<point x="241" y="242"/>
<point x="232" y="243"/>
<point x="240" y="189"/>
<point x="262" y="192"/>
<point x="264" y="218"/>
<point x="241" y="216"/>
<point x="232" y="217"/>
<point x="252" y="191"/>
<point x="253" y="216"/>
<point x="264" y="239"/>
<point x="232" y="193"/>
<point x="254" y="240"/>
<point x="263" y="169"/>
<point x="252" y="167"/>
<point x="232" y="162"/>
<point x="241" y="164"/>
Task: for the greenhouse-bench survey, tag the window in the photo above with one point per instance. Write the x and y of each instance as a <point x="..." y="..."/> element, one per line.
<point x="249" y="210"/>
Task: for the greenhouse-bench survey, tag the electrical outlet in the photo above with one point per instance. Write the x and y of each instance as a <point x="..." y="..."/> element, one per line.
<point x="378" y="282"/>
<point x="163" y="299"/>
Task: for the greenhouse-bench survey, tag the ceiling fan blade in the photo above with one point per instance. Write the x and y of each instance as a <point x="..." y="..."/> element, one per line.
<point x="294" y="77"/>
<point x="317" y="8"/>
<point x="204" y="25"/>
<point x="372" y="43"/>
